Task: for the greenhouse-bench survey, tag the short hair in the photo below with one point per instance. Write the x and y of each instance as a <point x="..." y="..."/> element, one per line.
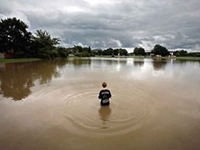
<point x="104" y="84"/>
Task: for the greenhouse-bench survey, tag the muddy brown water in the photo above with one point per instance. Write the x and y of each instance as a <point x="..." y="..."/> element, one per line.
<point x="52" y="105"/>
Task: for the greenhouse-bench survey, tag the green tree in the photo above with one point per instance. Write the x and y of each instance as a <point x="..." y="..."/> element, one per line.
<point x="62" y="52"/>
<point x="194" y="54"/>
<point x="14" y="36"/>
<point x="44" y="45"/>
<point x="78" y="49"/>
<point x="160" y="50"/>
<point x="98" y="52"/>
<point x="108" y="51"/>
<point x="139" y="51"/>
<point x="121" y="52"/>
<point x="180" y="53"/>
<point x="83" y="51"/>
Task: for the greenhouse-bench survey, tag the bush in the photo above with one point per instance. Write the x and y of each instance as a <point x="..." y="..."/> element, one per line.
<point x="63" y="53"/>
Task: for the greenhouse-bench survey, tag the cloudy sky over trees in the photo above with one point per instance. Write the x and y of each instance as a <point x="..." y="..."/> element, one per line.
<point x="174" y="24"/>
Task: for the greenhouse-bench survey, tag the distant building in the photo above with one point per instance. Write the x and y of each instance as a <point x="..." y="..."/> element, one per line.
<point x="158" y="56"/>
<point x="71" y="55"/>
<point x="171" y="53"/>
<point x="6" y="55"/>
<point x="1" y="55"/>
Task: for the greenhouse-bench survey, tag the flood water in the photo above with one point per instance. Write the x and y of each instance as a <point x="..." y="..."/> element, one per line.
<point x="50" y="105"/>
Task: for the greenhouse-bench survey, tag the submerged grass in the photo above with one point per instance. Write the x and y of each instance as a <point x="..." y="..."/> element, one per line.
<point x="2" y="60"/>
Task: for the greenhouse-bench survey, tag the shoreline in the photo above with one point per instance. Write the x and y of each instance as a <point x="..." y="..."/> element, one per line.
<point x="15" y="60"/>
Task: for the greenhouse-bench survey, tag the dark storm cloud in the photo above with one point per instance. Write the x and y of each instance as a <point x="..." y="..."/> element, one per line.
<point x="112" y="23"/>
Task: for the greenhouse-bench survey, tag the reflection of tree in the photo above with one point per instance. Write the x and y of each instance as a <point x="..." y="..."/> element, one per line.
<point x="79" y="62"/>
<point x="159" y="64"/>
<point x="45" y="71"/>
<point x="16" y="81"/>
<point x="113" y="61"/>
<point x="104" y="113"/>
<point x="17" y="78"/>
<point x="138" y="63"/>
<point x="182" y="62"/>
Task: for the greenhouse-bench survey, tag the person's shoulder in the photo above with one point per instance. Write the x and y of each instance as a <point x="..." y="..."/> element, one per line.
<point x="104" y="90"/>
<point x="107" y="90"/>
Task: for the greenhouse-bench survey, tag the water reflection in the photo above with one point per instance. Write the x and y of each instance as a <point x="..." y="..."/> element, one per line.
<point x="104" y="113"/>
<point x="18" y="78"/>
<point x="79" y="62"/>
<point x="138" y="63"/>
<point x="148" y="105"/>
<point x="159" y="64"/>
<point x="184" y="63"/>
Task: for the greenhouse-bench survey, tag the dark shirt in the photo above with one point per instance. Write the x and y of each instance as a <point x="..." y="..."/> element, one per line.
<point x="104" y="95"/>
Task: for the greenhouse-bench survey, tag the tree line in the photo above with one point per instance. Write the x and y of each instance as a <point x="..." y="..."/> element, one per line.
<point x="157" y="50"/>
<point x="16" y="39"/>
<point x="163" y="51"/>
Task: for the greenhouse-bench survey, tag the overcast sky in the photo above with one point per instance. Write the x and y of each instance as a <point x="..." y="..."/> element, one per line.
<point x="174" y="24"/>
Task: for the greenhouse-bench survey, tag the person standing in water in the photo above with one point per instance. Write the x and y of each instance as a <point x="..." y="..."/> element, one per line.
<point x="104" y="95"/>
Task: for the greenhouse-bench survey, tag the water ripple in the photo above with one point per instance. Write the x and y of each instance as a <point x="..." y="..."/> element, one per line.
<point x="85" y="116"/>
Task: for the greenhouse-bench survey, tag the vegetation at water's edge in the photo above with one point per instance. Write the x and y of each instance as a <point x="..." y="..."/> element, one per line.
<point x="189" y="58"/>
<point x="17" y="42"/>
<point x="2" y="60"/>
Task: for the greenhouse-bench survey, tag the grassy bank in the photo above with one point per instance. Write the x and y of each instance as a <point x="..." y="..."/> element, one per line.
<point x="2" y="60"/>
<point x="188" y="58"/>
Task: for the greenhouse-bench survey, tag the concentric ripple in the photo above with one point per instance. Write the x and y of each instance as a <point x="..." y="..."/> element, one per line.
<point x="85" y="116"/>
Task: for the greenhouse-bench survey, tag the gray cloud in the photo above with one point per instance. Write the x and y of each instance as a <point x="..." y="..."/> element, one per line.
<point x="112" y="23"/>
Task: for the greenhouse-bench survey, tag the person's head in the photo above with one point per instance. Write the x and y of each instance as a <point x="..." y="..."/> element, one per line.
<point x="104" y="84"/>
